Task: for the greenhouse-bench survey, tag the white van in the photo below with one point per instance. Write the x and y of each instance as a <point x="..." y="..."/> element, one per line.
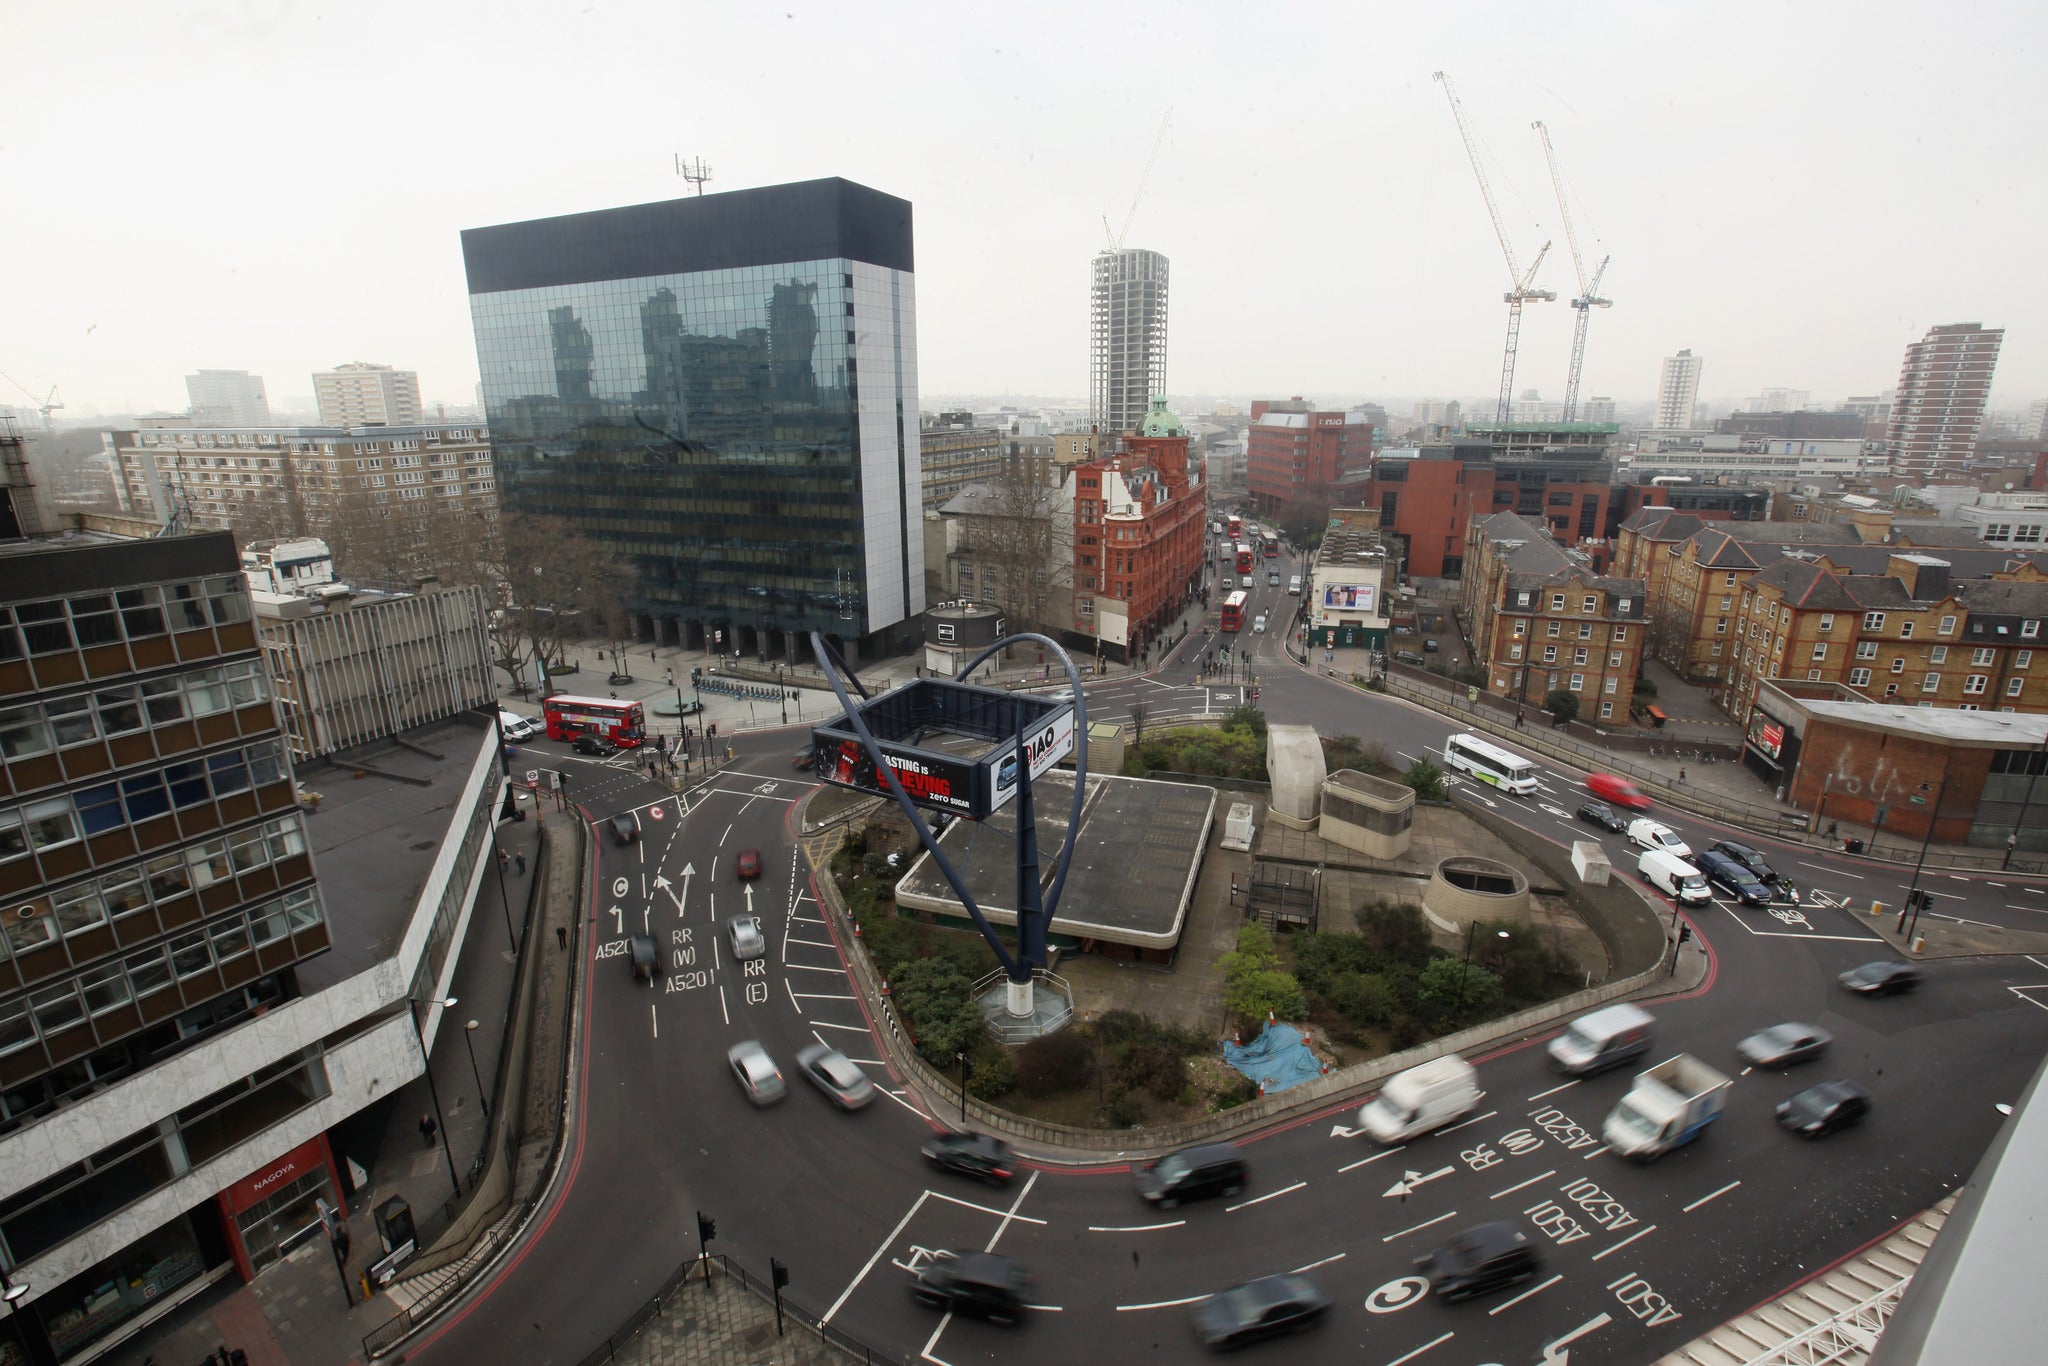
<point x="1674" y="877"/>
<point x="1606" y="1038"/>
<point x="519" y="727"/>
<point x="1657" y="835"/>
<point x="1423" y="1098"/>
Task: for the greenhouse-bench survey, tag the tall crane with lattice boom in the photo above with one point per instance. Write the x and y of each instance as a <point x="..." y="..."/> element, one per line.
<point x="1589" y="293"/>
<point x="1521" y="292"/>
<point x="45" y="405"/>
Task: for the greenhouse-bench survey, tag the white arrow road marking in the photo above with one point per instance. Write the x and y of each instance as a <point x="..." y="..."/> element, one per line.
<point x="1410" y="1180"/>
<point x="1554" y="1353"/>
<point x="1339" y="1131"/>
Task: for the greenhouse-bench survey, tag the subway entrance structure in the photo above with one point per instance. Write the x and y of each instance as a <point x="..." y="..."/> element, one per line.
<point x="943" y="745"/>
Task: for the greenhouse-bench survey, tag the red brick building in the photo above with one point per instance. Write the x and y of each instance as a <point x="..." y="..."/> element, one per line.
<point x="1291" y="451"/>
<point x="1138" y="536"/>
<point x="1558" y="477"/>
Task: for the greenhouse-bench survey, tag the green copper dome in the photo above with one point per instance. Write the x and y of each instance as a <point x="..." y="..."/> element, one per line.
<point x="1159" y="422"/>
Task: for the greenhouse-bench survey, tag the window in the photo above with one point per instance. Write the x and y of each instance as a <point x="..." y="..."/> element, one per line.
<point x="1557" y="602"/>
<point x="1728" y="581"/>
<point x="1827" y="621"/>
<point x="1948" y="626"/>
<point x="1820" y="650"/>
<point x="1620" y="634"/>
<point x="1898" y="665"/>
<point x="1727" y="604"/>
<point x="1717" y="649"/>
<point x="1866" y="649"/>
<point x="2023" y="659"/>
<point x="1721" y="626"/>
<point x="1585" y="630"/>
<point x="2013" y="686"/>
<point x="1591" y="604"/>
<point x="1931" y="683"/>
<point x="1550" y="654"/>
<point x="1556" y="629"/>
<point x="1891" y="690"/>
<point x="1514" y="652"/>
<point x="1578" y="682"/>
<point x="1905" y="630"/>
<point x="1938" y="655"/>
<point x="1579" y="656"/>
<point x="1614" y="659"/>
<point x="1612" y="684"/>
<point x="39" y="825"/>
<point x="1981" y="656"/>
<point x="1859" y="678"/>
<point x="1974" y="684"/>
<point x="2029" y="630"/>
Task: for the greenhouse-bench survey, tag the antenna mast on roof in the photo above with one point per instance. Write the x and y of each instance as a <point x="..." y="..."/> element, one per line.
<point x="696" y="172"/>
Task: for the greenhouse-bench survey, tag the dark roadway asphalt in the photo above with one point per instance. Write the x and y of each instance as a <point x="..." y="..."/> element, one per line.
<point x="1643" y="1258"/>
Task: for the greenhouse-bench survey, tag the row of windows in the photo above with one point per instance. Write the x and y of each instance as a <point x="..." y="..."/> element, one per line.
<point x="56" y="821"/>
<point x="64" y="722"/>
<point x="128" y="891"/>
<point x="95" y="991"/>
<point x="60" y="625"/>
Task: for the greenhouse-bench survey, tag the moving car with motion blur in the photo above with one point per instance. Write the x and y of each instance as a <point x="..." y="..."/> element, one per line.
<point x="1822" y="1109"/>
<point x="1617" y="791"/>
<point x="837" y="1075"/>
<point x="1478" y="1260"/>
<point x="1602" y="815"/>
<point x="1881" y="979"/>
<point x="982" y="1284"/>
<point x="976" y="1155"/>
<point x="1784" y="1044"/>
<point x="1259" y="1309"/>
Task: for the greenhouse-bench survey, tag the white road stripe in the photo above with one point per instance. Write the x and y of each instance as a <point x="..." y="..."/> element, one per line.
<point x="827" y="1024"/>
<point x="1135" y="1228"/>
<point x="1596" y="1152"/>
<point x="1510" y="1304"/>
<point x="1552" y="1091"/>
<point x="1313" y="1265"/>
<point x="1410" y="1356"/>
<point x="1626" y="1241"/>
<point x="1262" y="1199"/>
<point x="1530" y="1182"/>
<point x="985" y="1209"/>
<point x="1474" y="1120"/>
<point x="1160" y="1304"/>
<point x="1712" y="1195"/>
<point x="1452" y="1214"/>
<point x="1363" y="1161"/>
<point x="876" y="1256"/>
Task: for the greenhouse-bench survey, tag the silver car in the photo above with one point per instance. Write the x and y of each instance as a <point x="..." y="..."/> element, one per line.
<point x="1782" y="1045"/>
<point x="756" y="1072"/>
<point x="747" y="939"/>
<point x="832" y="1072"/>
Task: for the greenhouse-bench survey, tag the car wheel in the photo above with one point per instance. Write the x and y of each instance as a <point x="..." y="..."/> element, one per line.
<point x="1233" y="1189"/>
<point x="1168" y="1202"/>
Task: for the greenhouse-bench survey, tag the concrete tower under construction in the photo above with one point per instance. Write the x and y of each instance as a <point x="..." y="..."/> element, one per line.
<point x="1127" y="331"/>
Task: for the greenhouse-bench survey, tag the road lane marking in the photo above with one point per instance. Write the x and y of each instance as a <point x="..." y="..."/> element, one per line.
<point x="1160" y="1304"/>
<point x="985" y="1209"/>
<point x="1397" y="1361"/>
<point x="1829" y="869"/>
<point x="1510" y="1304"/>
<point x="1313" y="1265"/>
<point x="1626" y="1241"/>
<point x="933" y="1341"/>
<point x="1530" y="1182"/>
<point x="1596" y="1152"/>
<point x="813" y="943"/>
<point x="1022" y="1195"/>
<point x="1135" y="1228"/>
<point x="876" y="1256"/>
<point x="820" y="995"/>
<point x="1704" y="1198"/>
<point x="1374" y="1158"/>
<point x="1552" y="1091"/>
<point x="812" y="967"/>
<point x="1262" y="1199"/>
<point x="827" y="1024"/>
<point x="1452" y="1214"/>
<point x="727" y="1015"/>
<point x="1474" y="1120"/>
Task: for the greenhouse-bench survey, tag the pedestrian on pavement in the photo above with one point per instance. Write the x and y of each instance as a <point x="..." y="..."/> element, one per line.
<point x="504" y="860"/>
<point x="1681" y="775"/>
<point x="561" y="938"/>
<point x="1518" y="718"/>
<point x="428" y="1129"/>
<point x="520" y="860"/>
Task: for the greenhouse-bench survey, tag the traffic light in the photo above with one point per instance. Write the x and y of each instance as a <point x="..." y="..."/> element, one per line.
<point x="1684" y="933"/>
<point x="778" y="1273"/>
<point x="707" y="1228"/>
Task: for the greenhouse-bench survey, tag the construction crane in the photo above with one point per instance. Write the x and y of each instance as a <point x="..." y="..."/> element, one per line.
<point x="1521" y="291"/>
<point x="1116" y="239"/>
<point x="1589" y="293"/>
<point x="45" y="405"/>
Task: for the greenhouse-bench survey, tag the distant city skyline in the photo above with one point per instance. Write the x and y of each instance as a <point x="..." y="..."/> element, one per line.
<point x="1381" y="279"/>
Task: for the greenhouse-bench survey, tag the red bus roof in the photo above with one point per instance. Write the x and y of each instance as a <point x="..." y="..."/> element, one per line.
<point x="562" y="699"/>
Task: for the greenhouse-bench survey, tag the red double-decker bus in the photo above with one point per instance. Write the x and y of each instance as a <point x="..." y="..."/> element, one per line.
<point x="1233" y="610"/>
<point x="1236" y="527"/>
<point x="1244" y="558"/>
<point x="1272" y="545"/>
<point x="624" y="723"/>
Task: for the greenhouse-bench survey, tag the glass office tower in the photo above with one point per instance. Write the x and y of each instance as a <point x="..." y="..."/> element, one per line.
<point x="724" y="389"/>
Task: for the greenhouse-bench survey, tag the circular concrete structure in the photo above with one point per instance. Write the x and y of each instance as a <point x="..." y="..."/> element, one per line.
<point x="1464" y="889"/>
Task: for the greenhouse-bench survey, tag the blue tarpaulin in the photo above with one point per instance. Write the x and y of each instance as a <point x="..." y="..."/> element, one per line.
<point x="1276" y="1060"/>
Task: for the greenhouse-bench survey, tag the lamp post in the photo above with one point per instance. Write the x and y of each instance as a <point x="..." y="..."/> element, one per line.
<point x="14" y="1292"/>
<point x="483" y="1097"/>
<point x="505" y="764"/>
<point x="1913" y="894"/>
<point x="427" y="1065"/>
<point x="2034" y="766"/>
<point x="1465" y="968"/>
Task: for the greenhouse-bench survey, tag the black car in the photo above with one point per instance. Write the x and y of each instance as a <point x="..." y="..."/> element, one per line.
<point x="1430" y="647"/>
<point x="1478" y="1260"/>
<point x="1207" y="1169"/>
<point x="1264" y="1308"/>
<point x="1759" y="868"/>
<point x="976" y="1155"/>
<point x="645" y="963"/>
<point x="1410" y="657"/>
<point x="1602" y="815"/>
<point x="1881" y="979"/>
<point x="1824" y="1108"/>
<point x="625" y="829"/>
<point x="1732" y="879"/>
<point x="594" y="744"/>
<point x="982" y="1284"/>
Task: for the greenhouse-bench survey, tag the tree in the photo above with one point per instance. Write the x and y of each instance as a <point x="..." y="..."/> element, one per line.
<point x="1019" y="531"/>
<point x="1253" y="982"/>
<point x="938" y="1000"/>
<point x="1139" y="711"/>
<point x="1562" y="704"/>
<point x="551" y="579"/>
<point x="1427" y="780"/>
<point x="1453" y="991"/>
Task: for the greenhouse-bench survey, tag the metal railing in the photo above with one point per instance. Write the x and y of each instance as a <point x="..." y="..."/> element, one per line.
<point x="1004" y="1032"/>
<point x="1847" y="1336"/>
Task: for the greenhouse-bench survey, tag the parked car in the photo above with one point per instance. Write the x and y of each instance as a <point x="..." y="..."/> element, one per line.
<point x="1602" y="815"/>
<point x="1619" y="791"/>
<point x="645" y="962"/>
<point x="1430" y="647"/>
<point x="976" y="1155"/>
<point x="1881" y="979"/>
<point x="1410" y="657"/>
<point x="747" y="939"/>
<point x="1207" y="1169"/>
<point x="747" y="864"/>
<point x="1478" y="1260"/>
<point x="756" y="1072"/>
<point x="1759" y="868"/>
<point x="594" y="744"/>
<point x="1824" y="1108"/>
<point x="625" y="829"/>
<point x="1259" y="1309"/>
<point x="832" y="1072"/>
<point x="1784" y="1044"/>
<point x="1657" y="835"/>
<point x="1732" y="878"/>
<point x="982" y="1284"/>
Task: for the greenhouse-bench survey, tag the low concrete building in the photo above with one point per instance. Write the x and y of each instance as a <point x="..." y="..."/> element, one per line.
<point x="1296" y="768"/>
<point x="1372" y="815"/>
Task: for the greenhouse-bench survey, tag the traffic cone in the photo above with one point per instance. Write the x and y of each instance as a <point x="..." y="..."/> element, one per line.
<point x="856" y="929"/>
<point x="1271" y="1018"/>
<point x="885" y="986"/>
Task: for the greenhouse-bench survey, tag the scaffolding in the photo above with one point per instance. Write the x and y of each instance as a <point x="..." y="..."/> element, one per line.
<point x="1127" y="332"/>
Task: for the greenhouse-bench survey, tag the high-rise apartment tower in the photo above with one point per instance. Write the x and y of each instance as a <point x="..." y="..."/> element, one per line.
<point x="1678" y="389"/>
<point x="1127" y="337"/>
<point x="363" y="395"/>
<point x="1944" y="386"/>
<point x="228" y="398"/>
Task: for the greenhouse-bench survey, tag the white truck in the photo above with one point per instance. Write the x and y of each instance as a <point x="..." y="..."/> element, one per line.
<point x="1666" y="1108"/>
<point x="1423" y="1098"/>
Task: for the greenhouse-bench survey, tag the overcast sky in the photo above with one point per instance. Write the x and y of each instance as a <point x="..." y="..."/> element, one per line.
<point x="1794" y="191"/>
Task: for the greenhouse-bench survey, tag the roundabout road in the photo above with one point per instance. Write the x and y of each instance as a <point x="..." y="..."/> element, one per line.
<point x="1637" y="1259"/>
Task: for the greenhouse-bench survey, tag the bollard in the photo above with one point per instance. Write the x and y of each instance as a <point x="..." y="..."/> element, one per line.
<point x="1876" y="909"/>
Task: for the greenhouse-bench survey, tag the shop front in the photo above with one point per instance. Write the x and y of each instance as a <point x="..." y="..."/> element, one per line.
<point x="272" y="1211"/>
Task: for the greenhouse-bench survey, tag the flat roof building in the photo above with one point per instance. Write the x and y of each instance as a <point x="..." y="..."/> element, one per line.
<point x="360" y="394"/>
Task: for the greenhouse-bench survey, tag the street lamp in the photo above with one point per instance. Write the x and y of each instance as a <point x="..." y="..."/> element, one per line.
<point x="469" y="1037"/>
<point x="1465" y="969"/>
<point x="1913" y="892"/>
<point x="427" y="1065"/>
<point x="15" y="1291"/>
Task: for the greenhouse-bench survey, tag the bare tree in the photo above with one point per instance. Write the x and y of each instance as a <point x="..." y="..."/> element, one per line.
<point x="1139" y="713"/>
<point x="1021" y="533"/>
<point x="555" y="581"/>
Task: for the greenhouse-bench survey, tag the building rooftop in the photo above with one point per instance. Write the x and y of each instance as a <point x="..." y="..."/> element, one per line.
<point x="2014" y="729"/>
<point x="382" y="819"/>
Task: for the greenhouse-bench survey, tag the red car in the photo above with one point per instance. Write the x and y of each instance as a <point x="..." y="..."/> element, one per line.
<point x="748" y="864"/>
<point x="1617" y="791"/>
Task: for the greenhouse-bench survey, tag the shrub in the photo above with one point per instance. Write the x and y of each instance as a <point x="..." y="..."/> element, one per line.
<point x="1321" y="959"/>
<point x="1365" y="998"/>
<point x="933" y="996"/>
<point x="995" y="1075"/>
<point x="1128" y="1027"/>
<point x="1396" y="931"/>
<point x="1122" y="1111"/>
<point x="893" y="941"/>
<point x="1256" y="993"/>
<point x="1237" y="1091"/>
<point x="1055" y="1062"/>
<point x="1246" y="717"/>
<point x="1427" y="780"/>
<point x="1562" y="703"/>
<point x="1646" y="686"/>
<point x="1348" y="751"/>
<point x="1150" y="1067"/>
<point x="1454" y="991"/>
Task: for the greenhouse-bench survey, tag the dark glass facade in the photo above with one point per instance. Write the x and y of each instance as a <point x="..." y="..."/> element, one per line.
<point x="739" y="421"/>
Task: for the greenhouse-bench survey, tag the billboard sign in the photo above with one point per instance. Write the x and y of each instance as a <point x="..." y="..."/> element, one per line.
<point x="932" y="779"/>
<point x="1045" y="745"/>
<point x="1350" y="597"/>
